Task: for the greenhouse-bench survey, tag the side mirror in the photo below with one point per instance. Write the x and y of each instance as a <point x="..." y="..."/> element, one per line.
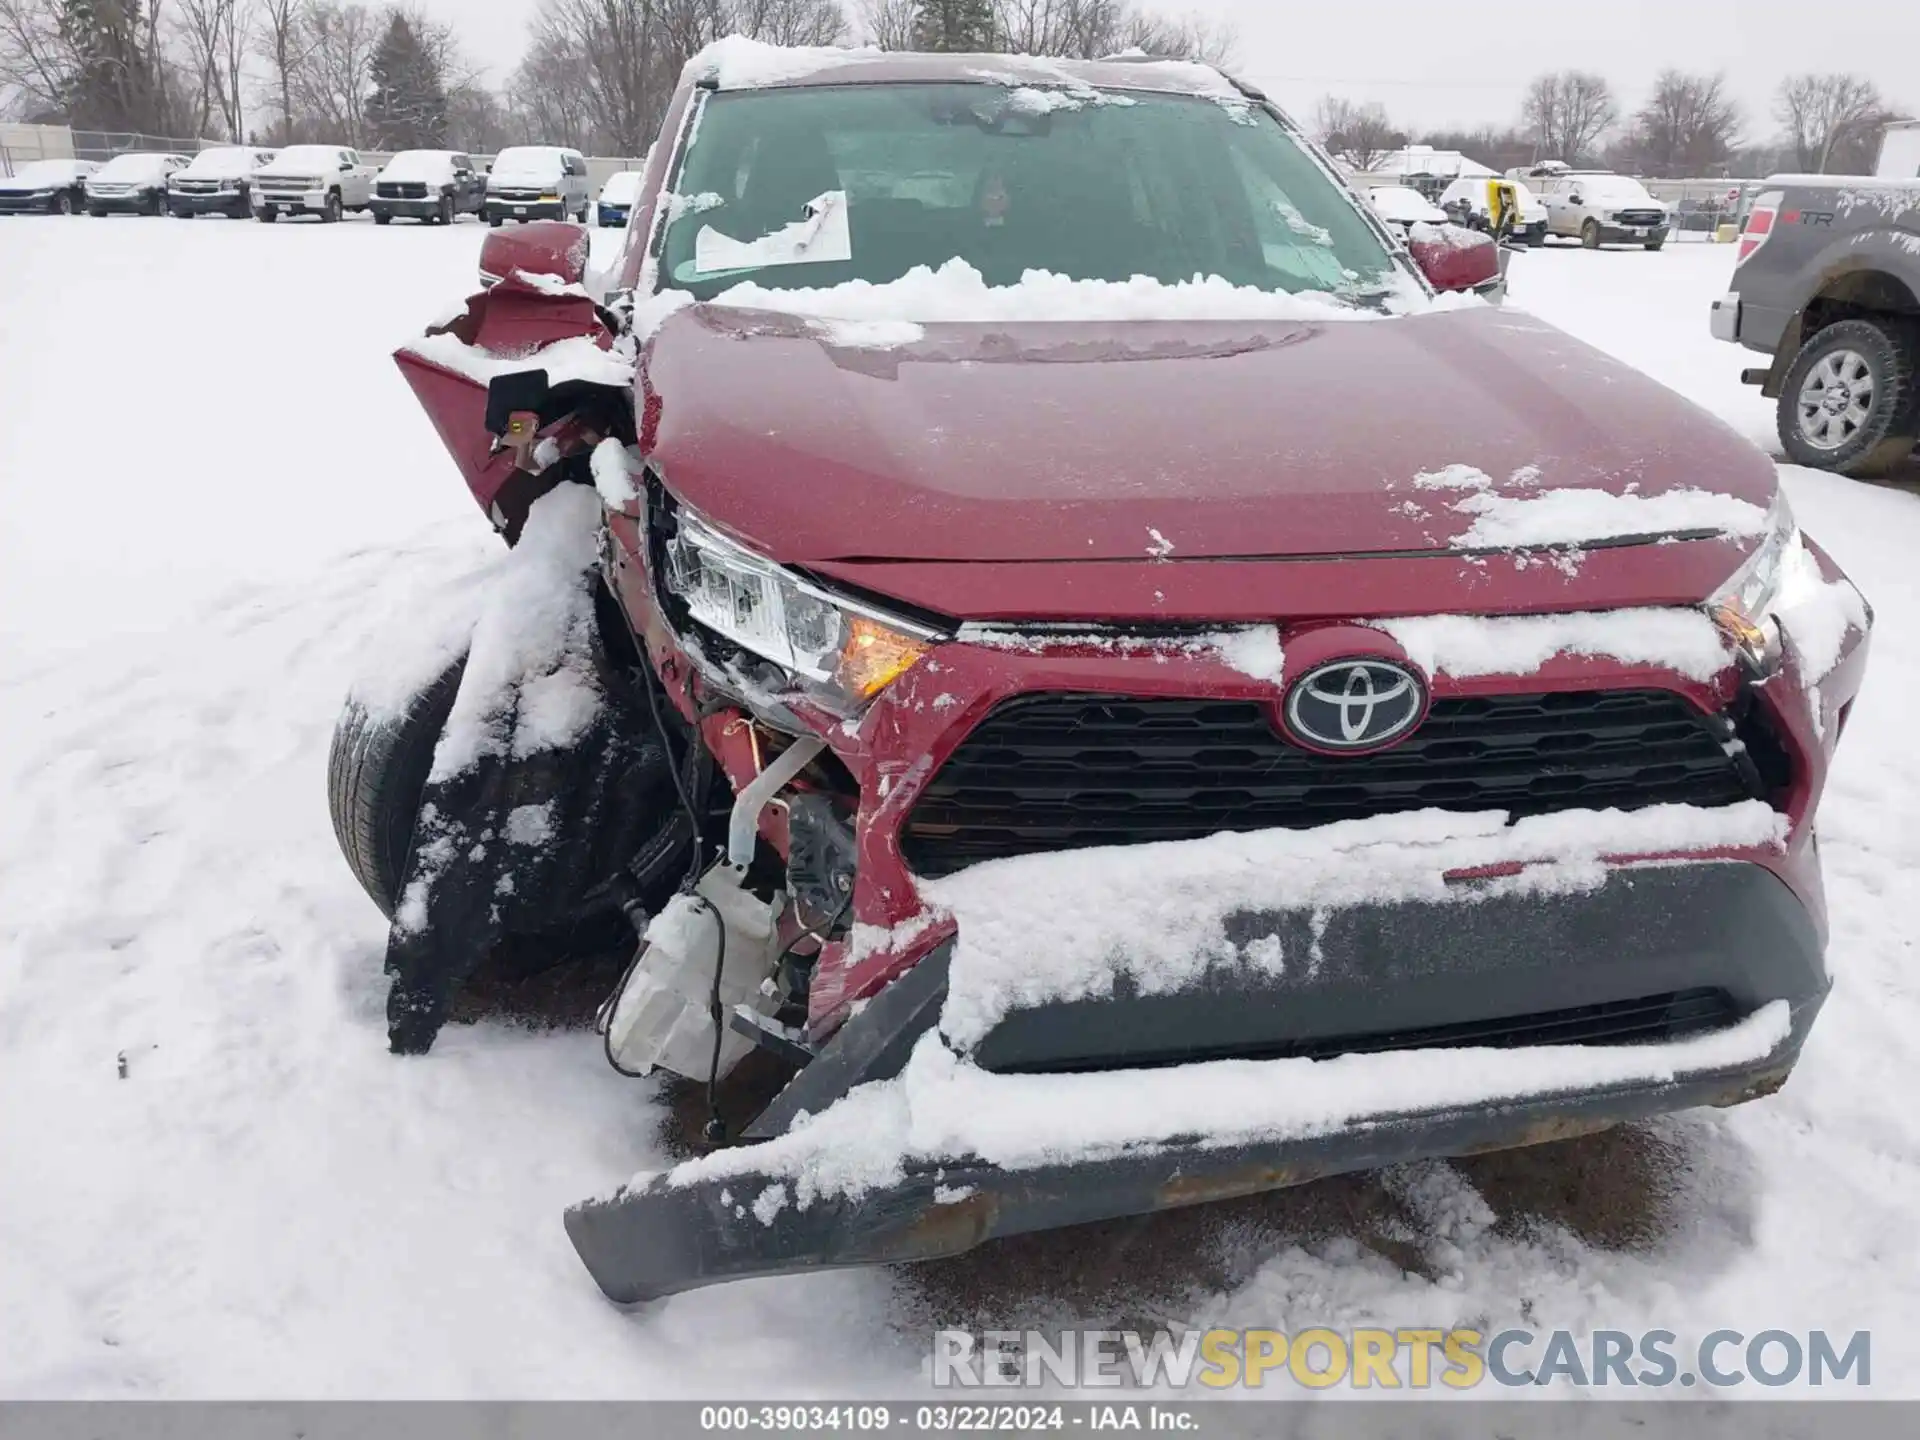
<point x="1454" y="258"/>
<point x="544" y="247"/>
<point x="1577" y="199"/>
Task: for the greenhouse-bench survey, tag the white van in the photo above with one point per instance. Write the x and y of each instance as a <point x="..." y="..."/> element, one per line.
<point x="538" y="182"/>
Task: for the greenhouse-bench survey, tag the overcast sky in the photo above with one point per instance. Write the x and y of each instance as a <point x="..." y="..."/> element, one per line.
<point x="1436" y="63"/>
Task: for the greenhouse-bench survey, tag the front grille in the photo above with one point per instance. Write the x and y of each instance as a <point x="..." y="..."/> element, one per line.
<point x="1651" y="1020"/>
<point x="403" y="190"/>
<point x="197" y="187"/>
<point x="1640" y="217"/>
<point x="518" y="197"/>
<point x="1063" y="772"/>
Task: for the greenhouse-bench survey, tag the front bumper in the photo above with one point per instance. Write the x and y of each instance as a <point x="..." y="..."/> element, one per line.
<point x="427" y="209"/>
<point x="526" y="209"/>
<point x="136" y="204"/>
<point x="291" y="201"/>
<point x="1633" y="234"/>
<point x="231" y="203"/>
<point x="27" y="204"/>
<point x="1415" y="966"/>
<point x="611" y="215"/>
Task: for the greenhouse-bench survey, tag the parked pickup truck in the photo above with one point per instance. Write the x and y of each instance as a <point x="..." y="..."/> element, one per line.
<point x="1827" y="283"/>
<point x="323" y="180"/>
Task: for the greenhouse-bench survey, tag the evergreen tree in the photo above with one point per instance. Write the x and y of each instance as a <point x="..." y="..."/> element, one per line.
<point x="956" y="26"/>
<point x="114" y="85"/>
<point x="408" y="107"/>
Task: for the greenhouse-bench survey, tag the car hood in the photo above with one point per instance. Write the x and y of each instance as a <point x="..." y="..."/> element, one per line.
<point x="816" y="442"/>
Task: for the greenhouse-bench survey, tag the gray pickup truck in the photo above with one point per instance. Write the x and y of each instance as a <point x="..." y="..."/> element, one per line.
<point x="1828" y="285"/>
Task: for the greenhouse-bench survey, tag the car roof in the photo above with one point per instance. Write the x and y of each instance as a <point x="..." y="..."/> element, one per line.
<point x="759" y="67"/>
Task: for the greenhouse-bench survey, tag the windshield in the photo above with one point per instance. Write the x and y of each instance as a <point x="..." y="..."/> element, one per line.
<point x="419" y="165"/>
<point x="815" y="186"/>
<point x="42" y="172"/>
<point x="535" y="162"/>
<point x="622" y="189"/>
<point x="307" y="160"/>
<point x="220" y="164"/>
<point x="133" y="167"/>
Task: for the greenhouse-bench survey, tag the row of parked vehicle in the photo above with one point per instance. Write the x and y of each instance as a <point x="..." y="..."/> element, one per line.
<point x="1595" y="207"/>
<point x="524" y="182"/>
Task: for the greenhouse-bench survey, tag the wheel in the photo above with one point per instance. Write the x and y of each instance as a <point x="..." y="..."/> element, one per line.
<point x="376" y="773"/>
<point x="1656" y="244"/>
<point x="1851" y="402"/>
<point x="496" y="221"/>
<point x="96" y="212"/>
<point x="447" y="211"/>
<point x="63" y="203"/>
<point x="331" y="215"/>
<point x="269" y="215"/>
<point x="380" y="217"/>
<point x="1590" y="234"/>
<point x="180" y="214"/>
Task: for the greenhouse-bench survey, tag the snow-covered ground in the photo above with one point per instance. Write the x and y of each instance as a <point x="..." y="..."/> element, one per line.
<point x="218" y="496"/>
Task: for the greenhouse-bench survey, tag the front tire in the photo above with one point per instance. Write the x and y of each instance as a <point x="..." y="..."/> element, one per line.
<point x="334" y="209"/>
<point x="63" y="203"/>
<point x="1851" y="400"/>
<point x="1590" y="235"/>
<point x="269" y="215"/>
<point x="380" y="217"/>
<point x="376" y="774"/>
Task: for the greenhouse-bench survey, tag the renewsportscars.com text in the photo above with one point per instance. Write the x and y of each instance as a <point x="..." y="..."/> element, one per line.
<point x="1401" y="1359"/>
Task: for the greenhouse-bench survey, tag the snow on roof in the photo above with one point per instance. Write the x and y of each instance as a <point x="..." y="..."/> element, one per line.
<point x="419" y="165"/>
<point x="737" y="63"/>
<point x="224" y="162"/>
<point x="1425" y="160"/>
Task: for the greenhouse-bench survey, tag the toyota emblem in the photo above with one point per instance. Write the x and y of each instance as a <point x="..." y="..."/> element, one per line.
<point x="1355" y="705"/>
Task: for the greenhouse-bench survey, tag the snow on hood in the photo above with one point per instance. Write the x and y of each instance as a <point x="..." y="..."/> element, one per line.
<point x="1403" y="205"/>
<point x="228" y="163"/>
<point x="958" y="293"/>
<point x="304" y="160"/>
<point x="1464" y="646"/>
<point x="427" y="165"/>
<point x="132" y="167"/>
<point x="623" y="188"/>
<point x="42" y="175"/>
<point x="527" y="163"/>
<point x="1575" y="516"/>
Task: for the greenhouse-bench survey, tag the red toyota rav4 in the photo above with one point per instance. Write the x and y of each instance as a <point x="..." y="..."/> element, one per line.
<point x="1060" y="638"/>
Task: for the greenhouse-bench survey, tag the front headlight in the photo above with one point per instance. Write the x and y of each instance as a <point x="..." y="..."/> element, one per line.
<point x="841" y="650"/>
<point x="1743" y="606"/>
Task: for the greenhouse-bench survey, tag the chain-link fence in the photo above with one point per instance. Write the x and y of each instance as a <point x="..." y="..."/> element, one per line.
<point x="1704" y="209"/>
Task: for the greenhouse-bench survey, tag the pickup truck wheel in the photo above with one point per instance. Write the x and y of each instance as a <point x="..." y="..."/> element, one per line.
<point x="1851" y="401"/>
<point x="63" y="203"/>
<point x="380" y="217"/>
<point x="1656" y="244"/>
<point x="269" y="215"/>
<point x="1590" y="234"/>
<point x="331" y="215"/>
<point x="446" y="210"/>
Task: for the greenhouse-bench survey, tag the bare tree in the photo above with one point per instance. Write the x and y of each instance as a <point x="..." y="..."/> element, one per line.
<point x="787" y="22"/>
<point x="1194" y="38"/>
<point x="1362" y="135"/>
<point x="334" y="76"/>
<point x="1088" y="29"/>
<point x="888" y="23"/>
<point x="1568" y="112"/>
<point x="1688" y="126"/>
<point x="215" y="36"/>
<point x="36" y="56"/>
<point x="1825" y="114"/>
<point x="281" y="41"/>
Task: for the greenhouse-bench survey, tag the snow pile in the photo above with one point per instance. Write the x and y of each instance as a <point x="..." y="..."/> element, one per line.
<point x="820" y="237"/>
<point x="940" y="1107"/>
<point x="1068" y="926"/>
<point x="958" y="293"/>
<point x="1686" y="641"/>
<point x="576" y="358"/>
<point x="737" y="63"/>
<point x="614" y="467"/>
<point x="529" y="675"/>
<point x="1816" y="613"/>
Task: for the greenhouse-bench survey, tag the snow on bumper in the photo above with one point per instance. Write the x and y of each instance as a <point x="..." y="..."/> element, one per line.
<point x="947" y="1156"/>
<point x="1030" y="1074"/>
